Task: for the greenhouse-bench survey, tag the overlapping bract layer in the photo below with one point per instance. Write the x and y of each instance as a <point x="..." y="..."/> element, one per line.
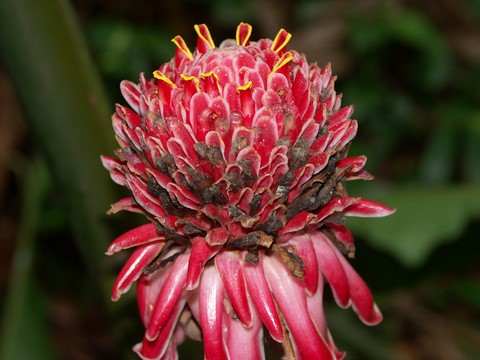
<point x="237" y="155"/>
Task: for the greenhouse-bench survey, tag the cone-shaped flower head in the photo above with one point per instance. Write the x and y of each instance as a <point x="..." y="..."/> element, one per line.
<point x="237" y="156"/>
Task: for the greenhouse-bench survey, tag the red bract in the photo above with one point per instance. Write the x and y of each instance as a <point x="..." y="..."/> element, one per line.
<point x="237" y="156"/>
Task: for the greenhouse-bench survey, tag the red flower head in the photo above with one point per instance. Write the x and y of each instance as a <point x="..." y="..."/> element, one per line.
<point x="237" y="156"/>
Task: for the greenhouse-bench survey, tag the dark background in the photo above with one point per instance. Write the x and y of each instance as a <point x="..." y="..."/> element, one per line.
<point x="412" y="70"/>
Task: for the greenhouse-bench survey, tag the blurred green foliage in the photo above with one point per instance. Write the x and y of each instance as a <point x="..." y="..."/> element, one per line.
<point x="415" y="83"/>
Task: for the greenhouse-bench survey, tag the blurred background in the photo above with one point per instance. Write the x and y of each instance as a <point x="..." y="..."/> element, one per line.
<point x="412" y="70"/>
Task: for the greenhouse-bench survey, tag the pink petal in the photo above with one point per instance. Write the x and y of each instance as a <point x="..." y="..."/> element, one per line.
<point x="332" y="268"/>
<point x="183" y="196"/>
<point x="356" y="163"/>
<point x="308" y="133"/>
<point x="201" y="253"/>
<point x="349" y="133"/>
<point x="319" y="161"/>
<point x="198" y="104"/>
<point x="241" y="138"/>
<point x="335" y="205"/>
<point x="302" y="175"/>
<point x="139" y="236"/>
<point x="267" y="135"/>
<point x="262" y="299"/>
<point x="148" y="288"/>
<point x="316" y="311"/>
<point x="133" y="268"/>
<point x="131" y="118"/>
<point x="179" y="131"/>
<point x="217" y="236"/>
<point x="362" y="299"/>
<point x="344" y="236"/>
<point x="204" y="40"/>
<point x="211" y="315"/>
<point x="304" y="249"/>
<point x="290" y="296"/>
<point x="144" y="198"/>
<point x="298" y="222"/>
<point x="245" y="343"/>
<point x="368" y="208"/>
<point x="115" y="169"/>
<point x="230" y="268"/>
<point x="156" y="349"/>
<point x="131" y="93"/>
<point x="251" y="157"/>
<point x="341" y="115"/>
<point x="168" y="297"/>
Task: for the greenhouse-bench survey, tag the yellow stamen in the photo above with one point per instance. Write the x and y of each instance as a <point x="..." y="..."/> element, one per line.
<point x="195" y="80"/>
<point x="204" y="34"/>
<point x="281" y="40"/>
<point x="243" y="34"/>
<point x="210" y="73"/>
<point x="285" y="59"/>
<point x="244" y="87"/>
<point x="182" y="46"/>
<point x="161" y="76"/>
<point x="189" y="77"/>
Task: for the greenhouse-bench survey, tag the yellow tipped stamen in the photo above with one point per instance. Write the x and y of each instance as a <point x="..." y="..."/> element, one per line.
<point x="244" y="87"/>
<point x="281" y="40"/>
<point x="208" y="74"/>
<point x="243" y="34"/>
<point x="285" y="59"/>
<point x="161" y="76"/>
<point x="182" y="46"/>
<point x="189" y="77"/>
<point x="195" y="80"/>
<point x="215" y="80"/>
<point x="204" y="34"/>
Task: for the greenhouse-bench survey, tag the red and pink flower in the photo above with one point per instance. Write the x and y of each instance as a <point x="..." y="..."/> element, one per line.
<point x="237" y="156"/>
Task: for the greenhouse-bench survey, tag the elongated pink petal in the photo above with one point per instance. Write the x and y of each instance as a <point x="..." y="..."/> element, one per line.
<point x="262" y="299"/>
<point x="245" y="343"/>
<point x="362" y="298"/>
<point x="168" y="297"/>
<point x="133" y="268"/>
<point x="156" y="349"/>
<point x="304" y="248"/>
<point x="211" y="315"/>
<point x="230" y="268"/>
<point x="332" y="269"/>
<point x="315" y="308"/>
<point x="201" y="253"/>
<point x="131" y="93"/>
<point x="298" y="222"/>
<point x="139" y="236"/>
<point x="148" y="288"/>
<point x="341" y="115"/>
<point x="368" y="208"/>
<point x="290" y="296"/>
<point x="355" y="163"/>
<point x="344" y="237"/>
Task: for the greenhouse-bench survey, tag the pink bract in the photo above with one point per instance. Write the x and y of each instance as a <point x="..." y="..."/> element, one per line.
<point x="237" y="156"/>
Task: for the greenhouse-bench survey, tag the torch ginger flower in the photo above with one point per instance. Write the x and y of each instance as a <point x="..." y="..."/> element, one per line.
<point x="237" y="156"/>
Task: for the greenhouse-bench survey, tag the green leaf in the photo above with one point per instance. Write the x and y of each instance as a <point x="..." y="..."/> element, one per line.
<point x="438" y="160"/>
<point x="45" y="54"/>
<point x="23" y="333"/>
<point x="425" y="218"/>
